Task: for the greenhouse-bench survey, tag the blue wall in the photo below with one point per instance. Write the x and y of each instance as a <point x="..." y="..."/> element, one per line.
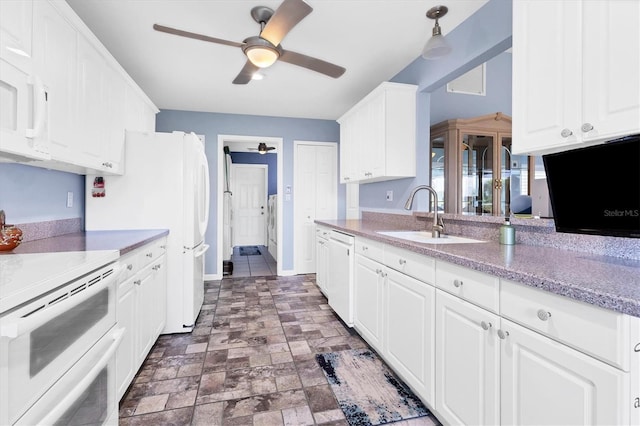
<point x="269" y="159"/>
<point x="445" y="105"/>
<point x="31" y="194"/>
<point x="289" y="129"/>
<point x="484" y="35"/>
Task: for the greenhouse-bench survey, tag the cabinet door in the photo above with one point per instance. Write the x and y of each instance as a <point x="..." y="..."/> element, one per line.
<point x="367" y="301"/>
<point x="321" y="264"/>
<point x="145" y="302"/>
<point x="467" y="363"/>
<point x="372" y="144"/>
<point x="126" y="363"/>
<point x="159" y="284"/>
<point x="409" y="331"/>
<point x="611" y="85"/>
<point x="348" y="151"/>
<point x="547" y="72"/>
<point x="55" y="55"/>
<point x="545" y="382"/>
<point x="114" y="121"/>
<point x="16" y="22"/>
<point x="91" y="106"/>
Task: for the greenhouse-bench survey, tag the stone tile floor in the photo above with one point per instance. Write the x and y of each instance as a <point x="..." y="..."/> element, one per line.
<point x="249" y="360"/>
<point x="252" y="266"/>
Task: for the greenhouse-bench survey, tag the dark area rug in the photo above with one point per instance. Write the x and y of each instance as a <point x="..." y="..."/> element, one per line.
<point x="249" y="251"/>
<point x="368" y="392"/>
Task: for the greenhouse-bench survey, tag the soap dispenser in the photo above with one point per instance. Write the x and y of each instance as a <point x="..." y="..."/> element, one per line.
<point x="507" y="233"/>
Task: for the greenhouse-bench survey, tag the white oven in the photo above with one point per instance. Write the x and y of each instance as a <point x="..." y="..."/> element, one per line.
<point x="57" y="354"/>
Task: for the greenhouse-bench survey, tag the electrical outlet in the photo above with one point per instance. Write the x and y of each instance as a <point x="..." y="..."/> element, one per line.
<point x="69" y="199"/>
<point x="389" y="195"/>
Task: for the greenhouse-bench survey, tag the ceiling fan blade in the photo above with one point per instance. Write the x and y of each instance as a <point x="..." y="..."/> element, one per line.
<point x="313" y="64"/>
<point x="286" y="16"/>
<point x="196" y="36"/>
<point x="245" y="73"/>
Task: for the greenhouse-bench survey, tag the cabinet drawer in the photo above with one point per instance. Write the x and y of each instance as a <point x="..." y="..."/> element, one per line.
<point x="476" y="287"/>
<point x="322" y="232"/>
<point x="150" y="252"/>
<point x="413" y="264"/>
<point x="131" y="265"/>
<point x="371" y="249"/>
<point x="596" y="331"/>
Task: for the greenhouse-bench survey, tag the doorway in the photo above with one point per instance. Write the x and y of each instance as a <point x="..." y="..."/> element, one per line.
<point x="247" y="143"/>
<point x="249" y="219"/>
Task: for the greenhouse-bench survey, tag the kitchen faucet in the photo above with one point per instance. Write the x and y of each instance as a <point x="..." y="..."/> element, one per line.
<point x="437" y="226"/>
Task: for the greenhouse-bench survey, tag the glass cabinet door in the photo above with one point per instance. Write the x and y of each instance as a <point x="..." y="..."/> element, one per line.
<point x="477" y="162"/>
<point x="438" y="169"/>
<point x="473" y="170"/>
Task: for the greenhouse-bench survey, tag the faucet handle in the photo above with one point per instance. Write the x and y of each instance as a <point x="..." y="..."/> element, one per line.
<point x="440" y="225"/>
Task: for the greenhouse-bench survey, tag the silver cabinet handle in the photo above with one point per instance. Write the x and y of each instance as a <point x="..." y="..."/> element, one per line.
<point x="163" y="247"/>
<point x="565" y="133"/>
<point x="543" y="315"/>
<point x="587" y="127"/>
<point x="402" y="261"/>
<point x="503" y="334"/>
<point x="457" y="283"/>
<point x="378" y="271"/>
<point x="129" y="266"/>
<point x="485" y="325"/>
<point x="149" y="254"/>
<point x="365" y="248"/>
<point x="137" y="282"/>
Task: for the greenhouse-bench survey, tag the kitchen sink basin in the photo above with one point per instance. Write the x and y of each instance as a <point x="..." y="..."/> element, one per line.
<point x="426" y="238"/>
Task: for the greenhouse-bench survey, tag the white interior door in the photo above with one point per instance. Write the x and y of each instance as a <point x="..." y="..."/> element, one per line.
<point x="315" y="197"/>
<point x="249" y="219"/>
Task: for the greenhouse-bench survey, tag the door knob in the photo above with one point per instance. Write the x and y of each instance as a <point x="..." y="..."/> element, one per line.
<point x="565" y="133"/>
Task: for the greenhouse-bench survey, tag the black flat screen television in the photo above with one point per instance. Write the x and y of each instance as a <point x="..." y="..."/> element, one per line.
<point x="596" y="190"/>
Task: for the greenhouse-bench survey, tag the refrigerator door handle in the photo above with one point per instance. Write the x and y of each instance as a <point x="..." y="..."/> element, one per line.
<point x="200" y="251"/>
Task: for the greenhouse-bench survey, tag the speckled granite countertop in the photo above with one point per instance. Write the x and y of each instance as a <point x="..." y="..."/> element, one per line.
<point x="605" y="281"/>
<point x="122" y="240"/>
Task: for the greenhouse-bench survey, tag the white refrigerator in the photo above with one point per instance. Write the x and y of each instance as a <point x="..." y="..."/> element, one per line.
<point x="165" y="186"/>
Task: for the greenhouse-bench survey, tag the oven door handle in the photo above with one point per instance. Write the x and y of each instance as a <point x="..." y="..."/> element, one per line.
<point x="20" y="326"/>
<point x="54" y="415"/>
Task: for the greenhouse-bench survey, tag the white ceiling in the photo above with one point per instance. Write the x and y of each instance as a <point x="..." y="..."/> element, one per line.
<point x="373" y="40"/>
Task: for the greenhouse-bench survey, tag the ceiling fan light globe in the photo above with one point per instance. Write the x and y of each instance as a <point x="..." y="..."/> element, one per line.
<point x="436" y="47"/>
<point x="262" y="56"/>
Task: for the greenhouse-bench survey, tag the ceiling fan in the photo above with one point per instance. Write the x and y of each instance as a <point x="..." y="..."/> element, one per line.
<point x="264" y="49"/>
<point x="262" y="148"/>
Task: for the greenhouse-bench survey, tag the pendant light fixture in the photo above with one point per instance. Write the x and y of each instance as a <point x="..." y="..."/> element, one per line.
<point x="437" y="46"/>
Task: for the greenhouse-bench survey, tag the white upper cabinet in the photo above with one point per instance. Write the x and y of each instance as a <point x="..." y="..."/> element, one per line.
<point x="83" y="100"/>
<point x="55" y="49"/>
<point x="16" y="23"/>
<point x="575" y="73"/>
<point x="378" y="136"/>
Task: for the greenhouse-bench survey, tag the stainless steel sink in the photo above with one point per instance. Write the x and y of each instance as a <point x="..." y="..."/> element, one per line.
<point x="426" y="238"/>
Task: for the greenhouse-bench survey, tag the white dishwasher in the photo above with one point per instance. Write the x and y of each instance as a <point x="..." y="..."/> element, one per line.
<point x="340" y="275"/>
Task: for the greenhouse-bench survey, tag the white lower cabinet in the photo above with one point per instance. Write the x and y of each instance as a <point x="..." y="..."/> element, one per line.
<point x="546" y="382"/>
<point x="479" y="350"/>
<point x="368" y="299"/>
<point x="409" y="322"/>
<point x="141" y="308"/>
<point x="394" y="313"/>
<point x="322" y="257"/>
<point x="467" y="362"/>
